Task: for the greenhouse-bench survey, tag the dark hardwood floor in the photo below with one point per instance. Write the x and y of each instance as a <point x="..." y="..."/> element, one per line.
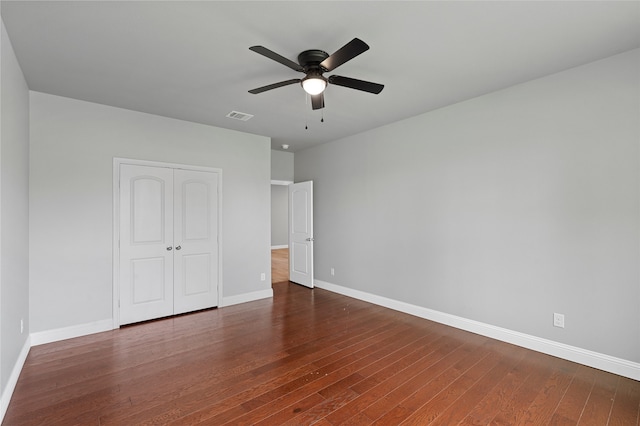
<point x="309" y="357"/>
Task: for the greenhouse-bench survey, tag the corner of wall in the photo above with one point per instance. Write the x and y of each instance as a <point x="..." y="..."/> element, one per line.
<point x="7" y="392"/>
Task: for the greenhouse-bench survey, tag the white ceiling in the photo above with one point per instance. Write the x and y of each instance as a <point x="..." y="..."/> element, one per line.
<point x="190" y="60"/>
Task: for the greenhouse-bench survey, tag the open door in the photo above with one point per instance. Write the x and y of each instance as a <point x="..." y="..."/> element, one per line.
<point x="301" y="233"/>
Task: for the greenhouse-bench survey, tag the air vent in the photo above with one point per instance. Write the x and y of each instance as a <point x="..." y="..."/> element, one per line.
<point x="239" y="116"/>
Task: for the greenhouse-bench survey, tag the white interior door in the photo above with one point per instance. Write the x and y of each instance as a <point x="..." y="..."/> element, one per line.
<point x="195" y="240"/>
<point x="169" y="246"/>
<point x="146" y="243"/>
<point x="301" y="233"/>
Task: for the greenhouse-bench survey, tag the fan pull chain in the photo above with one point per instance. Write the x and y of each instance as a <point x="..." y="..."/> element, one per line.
<point x="307" y="101"/>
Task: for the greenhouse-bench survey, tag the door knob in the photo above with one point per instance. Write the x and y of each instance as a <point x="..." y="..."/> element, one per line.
<point x="309" y="239"/>
<point x="169" y="248"/>
<point x="178" y="248"/>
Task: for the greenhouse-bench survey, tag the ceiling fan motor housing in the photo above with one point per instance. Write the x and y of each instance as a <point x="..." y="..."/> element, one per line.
<point x="314" y="82"/>
<point x="310" y="59"/>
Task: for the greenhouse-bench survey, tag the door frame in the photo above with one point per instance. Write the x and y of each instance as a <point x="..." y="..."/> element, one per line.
<point x="117" y="161"/>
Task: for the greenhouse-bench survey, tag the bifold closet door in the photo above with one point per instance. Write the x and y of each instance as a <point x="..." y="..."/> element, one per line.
<point x="168" y="242"/>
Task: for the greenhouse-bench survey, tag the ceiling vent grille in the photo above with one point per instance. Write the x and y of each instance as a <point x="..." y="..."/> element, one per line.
<point x="239" y="116"/>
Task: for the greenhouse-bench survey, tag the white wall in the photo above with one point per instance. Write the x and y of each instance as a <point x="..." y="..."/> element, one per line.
<point x="73" y="144"/>
<point x="14" y="213"/>
<point x="502" y="209"/>
<point x="281" y="165"/>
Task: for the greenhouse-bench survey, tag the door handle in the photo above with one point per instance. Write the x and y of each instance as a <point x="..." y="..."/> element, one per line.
<point x="169" y="248"/>
<point x="309" y="239"/>
<point x="178" y="248"/>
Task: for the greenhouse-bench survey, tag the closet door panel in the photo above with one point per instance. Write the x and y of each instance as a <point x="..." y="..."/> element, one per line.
<point x="146" y="243"/>
<point x="196" y="239"/>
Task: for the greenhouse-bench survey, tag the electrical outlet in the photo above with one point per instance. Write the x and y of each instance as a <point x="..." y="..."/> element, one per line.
<point x="558" y="320"/>
<point x="21" y="326"/>
<point x="333" y="271"/>
<point x="263" y="276"/>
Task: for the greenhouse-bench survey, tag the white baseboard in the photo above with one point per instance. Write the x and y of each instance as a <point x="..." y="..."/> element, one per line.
<point x="247" y="297"/>
<point x="7" y="393"/>
<point x="57" y="334"/>
<point x="597" y="360"/>
<point x="279" y="247"/>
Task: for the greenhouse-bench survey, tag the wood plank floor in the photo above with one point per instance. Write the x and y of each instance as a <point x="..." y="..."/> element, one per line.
<point x="279" y="265"/>
<point x="309" y="357"/>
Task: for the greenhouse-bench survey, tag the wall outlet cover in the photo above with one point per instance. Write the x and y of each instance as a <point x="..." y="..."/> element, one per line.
<point x="558" y="320"/>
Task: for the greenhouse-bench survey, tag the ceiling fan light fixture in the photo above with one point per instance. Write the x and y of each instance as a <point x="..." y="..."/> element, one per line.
<point x="314" y="84"/>
<point x="313" y="63"/>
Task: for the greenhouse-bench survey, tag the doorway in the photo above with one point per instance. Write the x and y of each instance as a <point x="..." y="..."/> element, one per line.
<point x="297" y="255"/>
<point x="279" y="231"/>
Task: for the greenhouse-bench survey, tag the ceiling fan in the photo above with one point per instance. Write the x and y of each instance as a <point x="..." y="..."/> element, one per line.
<point x="314" y="63"/>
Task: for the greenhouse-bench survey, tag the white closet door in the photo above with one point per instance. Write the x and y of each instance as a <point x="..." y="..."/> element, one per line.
<point x="196" y="240"/>
<point x="146" y="243"/>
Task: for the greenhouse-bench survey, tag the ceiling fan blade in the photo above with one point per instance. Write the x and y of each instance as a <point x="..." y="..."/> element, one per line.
<point x="274" y="86"/>
<point x="352" y="83"/>
<point x="317" y="101"/>
<point x="278" y="58"/>
<point x="344" y="54"/>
